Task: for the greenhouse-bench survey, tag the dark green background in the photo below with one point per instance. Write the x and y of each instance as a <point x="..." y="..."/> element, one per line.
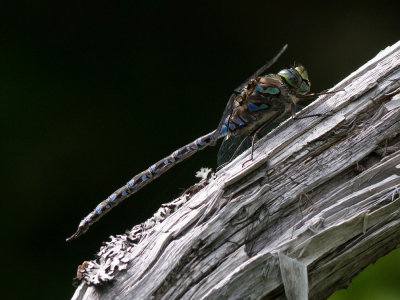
<point x="92" y="94"/>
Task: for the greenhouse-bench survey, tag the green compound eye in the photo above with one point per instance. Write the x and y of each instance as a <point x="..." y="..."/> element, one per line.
<point x="304" y="87"/>
<point x="296" y="78"/>
<point x="292" y="77"/>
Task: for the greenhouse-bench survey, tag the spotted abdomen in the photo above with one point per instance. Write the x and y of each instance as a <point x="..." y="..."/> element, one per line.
<point x="140" y="180"/>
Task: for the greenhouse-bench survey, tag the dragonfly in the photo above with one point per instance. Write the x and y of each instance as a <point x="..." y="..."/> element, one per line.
<point x="254" y="105"/>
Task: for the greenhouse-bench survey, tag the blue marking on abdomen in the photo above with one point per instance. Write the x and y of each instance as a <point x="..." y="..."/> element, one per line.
<point x="237" y="121"/>
<point x="231" y="126"/>
<point x="176" y="154"/>
<point x="200" y="142"/>
<point x="98" y="208"/>
<point x="224" y="129"/>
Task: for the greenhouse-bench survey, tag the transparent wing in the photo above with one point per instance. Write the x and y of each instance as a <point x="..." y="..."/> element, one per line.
<point x="262" y="69"/>
<point x="229" y="148"/>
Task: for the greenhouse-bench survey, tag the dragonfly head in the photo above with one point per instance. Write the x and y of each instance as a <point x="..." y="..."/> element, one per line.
<point x="297" y="78"/>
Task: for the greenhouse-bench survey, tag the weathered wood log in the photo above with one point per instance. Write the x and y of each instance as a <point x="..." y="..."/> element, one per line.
<point x="319" y="203"/>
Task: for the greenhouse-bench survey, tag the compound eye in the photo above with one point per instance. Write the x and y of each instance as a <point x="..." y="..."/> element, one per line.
<point x="304" y="87"/>
<point x="291" y="76"/>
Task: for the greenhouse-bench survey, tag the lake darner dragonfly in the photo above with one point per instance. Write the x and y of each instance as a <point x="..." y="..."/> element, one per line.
<point x="255" y="104"/>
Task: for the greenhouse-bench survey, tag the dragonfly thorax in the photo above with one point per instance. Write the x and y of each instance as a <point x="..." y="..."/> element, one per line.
<point x="263" y="98"/>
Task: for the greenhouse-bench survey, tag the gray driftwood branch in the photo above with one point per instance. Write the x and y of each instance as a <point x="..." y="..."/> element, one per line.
<point x="319" y="203"/>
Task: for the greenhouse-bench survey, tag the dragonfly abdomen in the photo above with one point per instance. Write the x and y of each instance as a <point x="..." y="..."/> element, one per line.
<point x="142" y="179"/>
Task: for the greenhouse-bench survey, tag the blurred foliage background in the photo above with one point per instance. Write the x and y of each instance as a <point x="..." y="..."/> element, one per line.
<point x="93" y="93"/>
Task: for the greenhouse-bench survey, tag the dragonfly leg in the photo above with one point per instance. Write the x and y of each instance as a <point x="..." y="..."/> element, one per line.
<point x="254" y="135"/>
<point x="294" y="117"/>
<point x="310" y="96"/>
<point x="314" y="95"/>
